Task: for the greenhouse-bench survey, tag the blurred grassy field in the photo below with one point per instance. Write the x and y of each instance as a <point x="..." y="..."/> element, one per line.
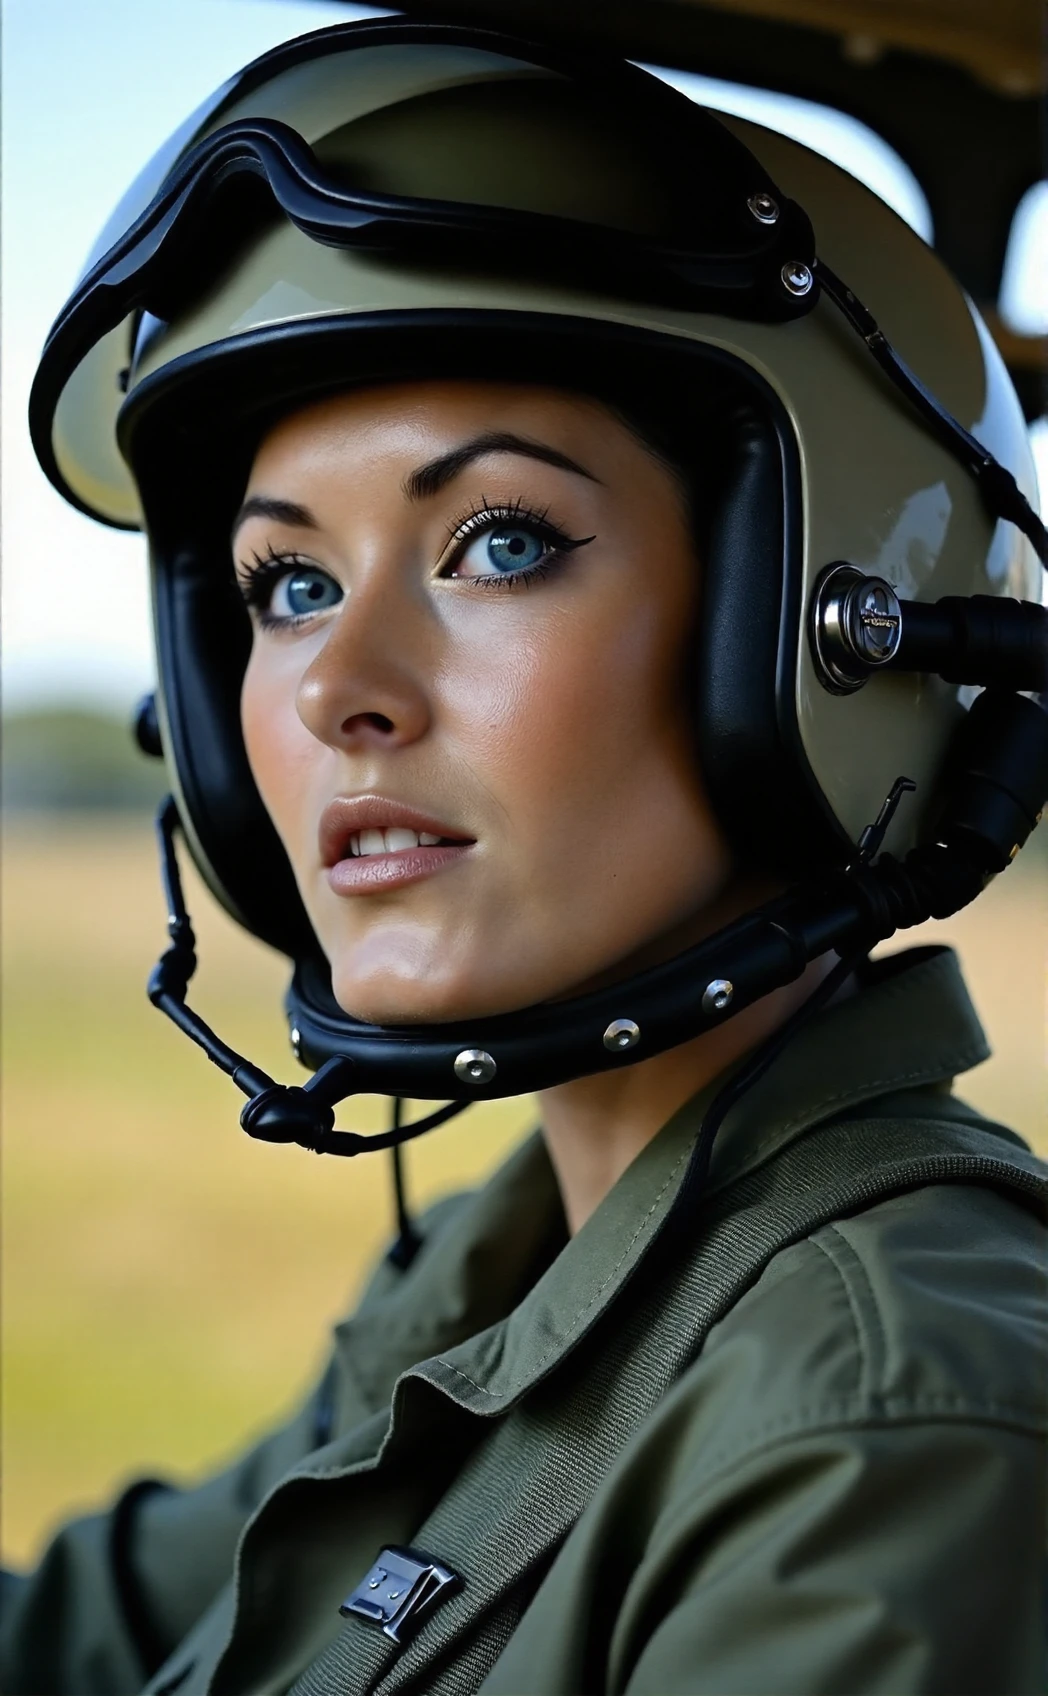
<point x="167" y="1283"/>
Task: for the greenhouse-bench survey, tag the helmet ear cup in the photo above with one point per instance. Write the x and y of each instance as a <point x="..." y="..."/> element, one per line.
<point x="748" y="744"/>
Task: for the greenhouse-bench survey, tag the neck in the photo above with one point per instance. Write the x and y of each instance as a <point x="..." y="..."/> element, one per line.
<point x="595" y="1127"/>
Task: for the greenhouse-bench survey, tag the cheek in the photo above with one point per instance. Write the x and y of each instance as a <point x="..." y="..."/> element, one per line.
<point x="579" y="721"/>
<point x="280" y="751"/>
<point x="594" y="705"/>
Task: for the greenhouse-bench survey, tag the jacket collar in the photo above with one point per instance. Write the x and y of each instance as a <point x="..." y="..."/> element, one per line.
<point x="495" y="1307"/>
<point x="910" y="1025"/>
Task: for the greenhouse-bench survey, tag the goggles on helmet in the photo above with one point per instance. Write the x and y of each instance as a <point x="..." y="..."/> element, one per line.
<point x="739" y="246"/>
<point x="752" y="256"/>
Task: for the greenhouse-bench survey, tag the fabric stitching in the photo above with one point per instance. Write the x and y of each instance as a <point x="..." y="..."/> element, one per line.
<point x="853" y="1310"/>
<point x="810" y="1115"/>
<point x="466" y="1379"/>
<point x="961" y="1060"/>
<point x="873" y="1316"/>
<point x="965" y="1058"/>
<point x="843" y="1414"/>
<point x="576" y="1321"/>
<point x="791" y="1124"/>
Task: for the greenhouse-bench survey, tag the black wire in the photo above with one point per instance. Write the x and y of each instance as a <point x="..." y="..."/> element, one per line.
<point x="249" y="1078"/>
<point x="350" y="1142"/>
<point x="167" y="823"/>
<point x="999" y="489"/>
<point x="408" y="1241"/>
<point x="754" y="1068"/>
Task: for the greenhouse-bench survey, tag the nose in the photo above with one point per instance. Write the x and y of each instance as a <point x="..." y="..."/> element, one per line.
<point x="367" y="687"/>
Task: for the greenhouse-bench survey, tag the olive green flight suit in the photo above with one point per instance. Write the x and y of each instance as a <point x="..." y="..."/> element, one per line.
<point x="792" y="1442"/>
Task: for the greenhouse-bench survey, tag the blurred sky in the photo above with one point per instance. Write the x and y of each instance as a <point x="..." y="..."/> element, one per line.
<point x="90" y="90"/>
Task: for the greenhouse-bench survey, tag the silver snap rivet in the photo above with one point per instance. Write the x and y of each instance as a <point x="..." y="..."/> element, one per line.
<point x="797" y="277"/>
<point x="473" y="1066"/>
<point x="764" y="208"/>
<point x="717" y="995"/>
<point x="295" y="1037"/>
<point x="620" y="1034"/>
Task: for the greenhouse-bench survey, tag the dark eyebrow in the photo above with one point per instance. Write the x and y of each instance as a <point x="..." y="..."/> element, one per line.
<point x="282" y="512"/>
<point x="429" y="479"/>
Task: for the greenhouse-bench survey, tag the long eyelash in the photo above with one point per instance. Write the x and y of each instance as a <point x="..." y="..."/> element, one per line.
<point x="486" y="513"/>
<point x="525" y="578"/>
<point x="257" y="581"/>
<point x="503" y="512"/>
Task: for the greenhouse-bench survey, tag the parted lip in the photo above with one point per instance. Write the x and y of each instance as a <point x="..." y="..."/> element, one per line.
<point x="347" y="814"/>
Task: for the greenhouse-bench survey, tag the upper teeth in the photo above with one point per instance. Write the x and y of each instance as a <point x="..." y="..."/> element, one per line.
<point x="364" y="842"/>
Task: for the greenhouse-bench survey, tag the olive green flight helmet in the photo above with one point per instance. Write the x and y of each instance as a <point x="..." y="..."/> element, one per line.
<point x="391" y="199"/>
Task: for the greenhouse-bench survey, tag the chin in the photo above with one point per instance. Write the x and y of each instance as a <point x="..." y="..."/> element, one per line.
<point x="403" y="983"/>
<point x="397" y="974"/>
<point x="389" y="999"/>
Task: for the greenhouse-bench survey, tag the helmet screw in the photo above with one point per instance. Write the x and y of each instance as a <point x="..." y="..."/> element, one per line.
<point x="295" y="1038"/>
<point x="620" y="1034"/>
<point x="474" y="1066"/>
<point x="797" y="277"/>
<point x="764" y="208"/>
<point x="717" y="995"/>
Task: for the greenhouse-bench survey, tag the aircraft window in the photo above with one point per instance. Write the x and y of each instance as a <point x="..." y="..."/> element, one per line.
<point x="1023" y="303"/>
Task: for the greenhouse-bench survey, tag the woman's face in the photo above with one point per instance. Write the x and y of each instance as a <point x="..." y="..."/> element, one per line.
<point x="464" y="707"/>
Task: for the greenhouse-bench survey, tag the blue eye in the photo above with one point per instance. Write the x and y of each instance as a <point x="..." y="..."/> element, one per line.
<point x="510" y="550"/>
<point x="499" y="553"/>
<point x="307" y="589"/>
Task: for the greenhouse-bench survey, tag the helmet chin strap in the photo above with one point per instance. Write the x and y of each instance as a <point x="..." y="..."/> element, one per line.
<point x="998" y="786"/>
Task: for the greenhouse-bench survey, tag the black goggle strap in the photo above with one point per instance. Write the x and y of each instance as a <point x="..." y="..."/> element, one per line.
<point x="122" y="282"/>
<point x="1000" y="492"/>
<point x="153" y="248"/>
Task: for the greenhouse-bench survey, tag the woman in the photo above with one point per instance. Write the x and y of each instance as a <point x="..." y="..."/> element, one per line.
<point x="586" y="556"/>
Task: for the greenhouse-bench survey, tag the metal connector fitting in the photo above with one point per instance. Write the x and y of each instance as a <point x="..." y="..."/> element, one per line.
<point x="856" y="626"/>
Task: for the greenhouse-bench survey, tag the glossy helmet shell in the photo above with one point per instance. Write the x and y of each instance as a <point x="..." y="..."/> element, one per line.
<point x="818" y="459"/>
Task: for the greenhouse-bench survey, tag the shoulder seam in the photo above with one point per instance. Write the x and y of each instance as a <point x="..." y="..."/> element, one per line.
<point x="855" y="1413"/>
<point x="863" y="1373"/>
<point x="864" y="1306"/>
